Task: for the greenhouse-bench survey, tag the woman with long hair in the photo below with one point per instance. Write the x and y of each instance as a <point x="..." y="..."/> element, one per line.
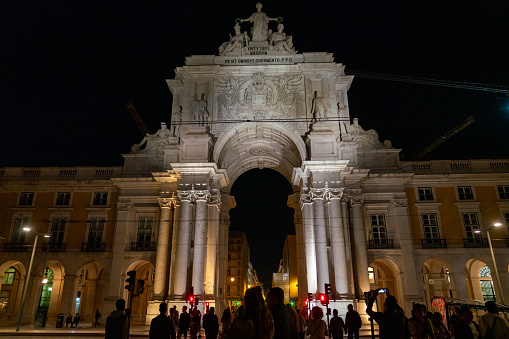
<point x="317" y="328"/>
<point x="256" y="322"/>
<point x="226" y="320"/>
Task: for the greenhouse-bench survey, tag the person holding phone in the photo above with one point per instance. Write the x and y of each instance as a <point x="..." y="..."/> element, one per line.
<point x="392" y="321"/>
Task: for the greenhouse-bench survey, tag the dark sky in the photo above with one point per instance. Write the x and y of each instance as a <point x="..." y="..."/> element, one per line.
<point x="68" y="68"/>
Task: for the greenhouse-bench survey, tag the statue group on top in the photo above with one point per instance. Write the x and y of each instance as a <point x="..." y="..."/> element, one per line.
<point x="262" y="40"/>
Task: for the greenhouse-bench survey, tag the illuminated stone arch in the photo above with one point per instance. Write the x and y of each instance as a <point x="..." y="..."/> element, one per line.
<point x="386" y="274"/>
<point x="473" y="268"/>
<point x="439" y="279"/>
<point x="89" y="288"/>
<point x="13" y="287"/>
<point x="144" y="271"/>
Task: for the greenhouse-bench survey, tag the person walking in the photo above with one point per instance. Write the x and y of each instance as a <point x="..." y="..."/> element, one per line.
<point x="226" y="320"/>
<point x="97" y="316"/>
<point x="353" y="322"/>
<point x="161" y="326"/>
<point x="336" y="326"/>
<point x="282" y="320"/>
<point x="491" y="324"/>
<point x="392" y="321"/>
<point x="256" y="322"/>
<point x="117" y="324"/>
<point x="211" y="324"/>
<point x="317" y="328"/>
<point x="184" y="322"/>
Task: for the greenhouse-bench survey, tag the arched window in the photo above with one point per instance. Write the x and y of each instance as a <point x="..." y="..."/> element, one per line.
<point x="371" y="275"/>
<point x="488" y="292"/>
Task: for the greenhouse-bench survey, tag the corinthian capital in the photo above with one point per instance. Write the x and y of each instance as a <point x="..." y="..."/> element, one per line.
<point x="356" y="199"/>
<point x="199" y="195"/>
<point x="183" y="195"/>
<point x="318" y="193"/>
<point x="166" y="202"/>
<point x="335" y="193"/>
<point x="305" y="198"/>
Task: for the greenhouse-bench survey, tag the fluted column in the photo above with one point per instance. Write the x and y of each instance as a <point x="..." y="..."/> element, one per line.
<point x="322" y="261"/>
<point x="182" y="244"/>
<point x="309" y="236"/>
<point x="359" y="239"/>
<point x="214" y="207"/>
<point x="338" y="242"/>
<point x="163" y="241"/>
<point x="200" y="241"/>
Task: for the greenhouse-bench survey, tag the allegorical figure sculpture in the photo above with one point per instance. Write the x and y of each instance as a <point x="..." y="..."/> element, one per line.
<point x="161" y="136"/>
<point x="319" y="107"/>
<point x="176" y="123"/>
<point x="280" y="40"/>
<point x="201" y="114"/>
<point x="260" y="20"/>
<point x="236" y="41"/>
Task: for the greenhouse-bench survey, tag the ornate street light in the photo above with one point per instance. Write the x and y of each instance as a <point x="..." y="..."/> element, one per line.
<point x="21" y="309"/>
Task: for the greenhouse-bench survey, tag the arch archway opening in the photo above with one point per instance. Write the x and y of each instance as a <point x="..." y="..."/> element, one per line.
<point x="263" y="214"/>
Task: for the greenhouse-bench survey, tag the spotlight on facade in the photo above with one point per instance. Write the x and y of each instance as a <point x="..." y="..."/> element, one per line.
<point x="497" y="224"/>
<point x="232" y="279"/>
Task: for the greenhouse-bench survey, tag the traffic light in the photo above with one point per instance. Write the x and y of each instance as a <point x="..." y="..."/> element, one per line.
<point x="131" y="281"/>
<point x="141" y="286"/>
<point x="324" y="299"/>
<point x="328" y="289"/>
<point x="196" y="301"/>
<point x="206" y="304"/>
<point x="191" y="299"/>
<point x="306" y="303"/>
<point x="190" y="294"/>
<point x="310" y="297"/>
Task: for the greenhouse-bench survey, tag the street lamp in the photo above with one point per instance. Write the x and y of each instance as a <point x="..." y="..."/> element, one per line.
<point x="20" y="315"/>
<point x="497" y="224"/>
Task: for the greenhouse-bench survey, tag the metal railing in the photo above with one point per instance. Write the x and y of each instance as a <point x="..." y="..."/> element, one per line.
<point x="15" y="247"/>
<point x="143" y="246"/>
<point x="92" y="247"/>
<point x="475" y="242"/>
<point x="433" y="243"/>
<point x="381" y="244"/>
<point x="54" y="247"/>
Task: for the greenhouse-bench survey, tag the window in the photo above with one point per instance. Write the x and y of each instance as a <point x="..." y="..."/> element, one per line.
<point x="9" y="276"/>
<point x="100" y="198"/>
<point x="503" y="192"/>
<point x="26" y="199"/>
<point x="465" y="193"/>
<point x="378" y="229"/>
<point x="18" y="235"/>
<point x="430" y="226"/>
<point x="425" y="193"/>
<point x="145" y="229"/>
<point x="63" y="199"/>
<point x="472" y="228"/>
<point x="371" y="275"/>
<point x="506" y="217"/>
<point x="58" y="230"/>
<point x="488" y="292"/>
<point x="96" y="230"/>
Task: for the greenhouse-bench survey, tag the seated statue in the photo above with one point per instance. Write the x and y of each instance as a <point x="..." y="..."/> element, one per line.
<point x="367" y="138"/>
<point x="236" y="42"/>
<point x="151" y="140"/>
<point x="281" y="41"/>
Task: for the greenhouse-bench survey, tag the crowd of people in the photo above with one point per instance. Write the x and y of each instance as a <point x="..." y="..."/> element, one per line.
<point x="258" y="318"/>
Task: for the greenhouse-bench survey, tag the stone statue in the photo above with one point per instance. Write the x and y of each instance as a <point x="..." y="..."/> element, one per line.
<point x="151" y="140"/>
<point x="260" y="20"/>
<point x="319" y="107"/>
<point x="280" y="40"/>
<point x="177" y="122"/>
<point x="236" y="41"/>
<point x="201" y="115"/>
<point x="366" y="139"/>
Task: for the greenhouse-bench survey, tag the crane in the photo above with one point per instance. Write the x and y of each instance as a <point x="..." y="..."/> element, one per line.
<point x="137" y="118"/>
<point x="444" y="137"/>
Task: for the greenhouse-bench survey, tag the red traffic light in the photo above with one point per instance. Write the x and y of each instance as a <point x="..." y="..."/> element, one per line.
<point x="306" y="303"/>
<point x="207" y="304"/>
<point x="191" y="299"/>
<point x="324" y="299"/>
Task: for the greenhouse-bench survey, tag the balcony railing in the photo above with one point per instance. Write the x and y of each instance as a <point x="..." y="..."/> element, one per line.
<point x="434" y="243"/>
<point x="381" y="244"/>
<point x="143" y="246"/>
<point x="92" y="247"/>
<point x="475" y="242"/>
<point x="54" y="247"/>
<point x="15" y="247"/>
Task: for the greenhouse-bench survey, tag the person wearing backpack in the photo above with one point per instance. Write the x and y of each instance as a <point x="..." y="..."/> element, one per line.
<point x="116" y="324"/>
<point x="492" y="325"/>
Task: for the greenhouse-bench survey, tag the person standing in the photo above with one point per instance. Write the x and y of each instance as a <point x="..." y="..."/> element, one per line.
<point x="491" y="322"/>
<point x="161" y="326"/>
<point x="226" y="320"/>
<point x="116" y="324"/>
<point x="336" y="326"/>
<point x="97" y="317"/>
<point x="419" y="326"/>
<point x="392" y="321"/>
<point x="195" y="323"/>
<point x="184" y="322"/>
<point x="282" y="320"/>
<point x="465" y="328"/>
<point x="301" y="324"/>
<point x="441" y="332"/>
<point x="353" y="322"/>
<point x="211" y="324"/>
<point x="317" y="328"/>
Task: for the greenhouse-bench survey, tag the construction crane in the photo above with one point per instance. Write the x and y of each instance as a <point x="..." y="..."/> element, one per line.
<point x="137" y="118"/>
<point x="444" y="137"/>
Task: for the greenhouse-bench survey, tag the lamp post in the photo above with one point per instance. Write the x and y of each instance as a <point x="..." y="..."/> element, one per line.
<point x="25" y="289"/>
<point x="497" y="224"/>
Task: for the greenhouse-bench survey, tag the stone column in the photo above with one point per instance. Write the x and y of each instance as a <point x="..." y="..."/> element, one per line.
<point x="214" y="203"/>
<point x="174" y="240"/>
<point x="163" y="240"/>
<point x="322" y="261"/>
<point x="338" y="242"/>
<point x="309" y="236"/>
<point x="359" y="239"/>
<point x="200" y="241"/>
<point x="182" y="245"/>
<point x="68" y="295"/>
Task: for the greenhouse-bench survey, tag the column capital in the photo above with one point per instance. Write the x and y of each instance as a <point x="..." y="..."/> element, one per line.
<point x="166" y="202"/>
<point x="399" y="200"/>
<point x="356" y="199"/>
<point x="182" y="195"/>
<point x="124" y="204"/>
<point x="215" y="199"/>
<point x="199" y="195"/>
<point x="305" y="198"/>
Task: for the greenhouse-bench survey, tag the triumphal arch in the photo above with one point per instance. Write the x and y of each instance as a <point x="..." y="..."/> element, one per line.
<point x="258" y="103"/>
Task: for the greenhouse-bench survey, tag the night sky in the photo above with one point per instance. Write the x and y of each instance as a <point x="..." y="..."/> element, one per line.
<point x="67" y="70"/>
